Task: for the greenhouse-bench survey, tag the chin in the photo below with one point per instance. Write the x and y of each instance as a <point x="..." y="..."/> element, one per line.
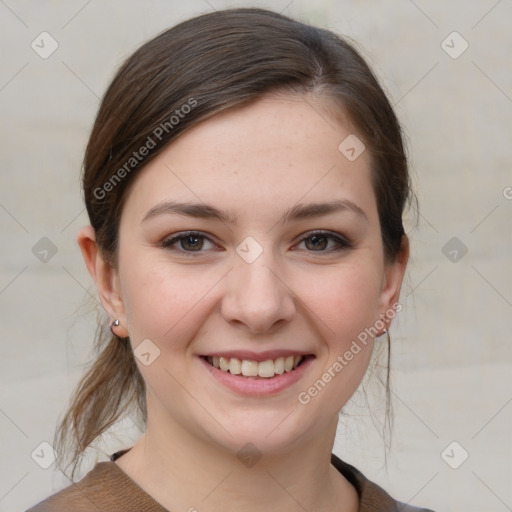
<point x="270" y="433"/>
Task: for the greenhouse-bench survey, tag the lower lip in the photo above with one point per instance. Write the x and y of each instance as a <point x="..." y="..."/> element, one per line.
<point x="258" y="386"/>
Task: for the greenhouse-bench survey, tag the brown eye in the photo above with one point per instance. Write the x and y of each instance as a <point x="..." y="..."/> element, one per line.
<point x="192" y="243"/>
<point x="316" y="242"/>
<point x="325" y="242"/>
<point x="188" y="243"/>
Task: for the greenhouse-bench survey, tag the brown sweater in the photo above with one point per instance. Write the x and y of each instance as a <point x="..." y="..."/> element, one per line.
<point x="107" y="488"/>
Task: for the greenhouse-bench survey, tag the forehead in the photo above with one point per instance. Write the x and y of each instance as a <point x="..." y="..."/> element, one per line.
<point x="263" y="157"/>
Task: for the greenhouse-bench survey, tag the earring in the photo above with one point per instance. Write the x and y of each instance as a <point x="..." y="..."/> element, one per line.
<point x="115" y="323"/>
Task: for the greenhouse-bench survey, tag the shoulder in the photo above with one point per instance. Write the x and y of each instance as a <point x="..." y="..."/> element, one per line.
<point x="105" y="487"/>
<point x="79" y="495"/>
<point x="372" y="497"/>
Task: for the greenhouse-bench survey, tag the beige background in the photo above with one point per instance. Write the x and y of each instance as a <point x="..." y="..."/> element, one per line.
<point x="452" y="354"/>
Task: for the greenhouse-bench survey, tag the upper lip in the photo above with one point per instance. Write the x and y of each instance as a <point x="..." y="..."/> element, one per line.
<point x="257" y="356"/>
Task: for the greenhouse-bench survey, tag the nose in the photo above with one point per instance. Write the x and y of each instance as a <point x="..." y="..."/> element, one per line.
<point x="257" y="298"/>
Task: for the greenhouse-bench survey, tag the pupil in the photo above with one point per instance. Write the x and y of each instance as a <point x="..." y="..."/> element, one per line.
<point x="191" y="242"/>
<point x="318" y="242"/>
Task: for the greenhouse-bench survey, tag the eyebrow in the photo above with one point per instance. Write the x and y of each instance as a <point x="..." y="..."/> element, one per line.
<point x="297" y="212"/>
<point x="304" y="211"/>
<point x="199" y="210"/>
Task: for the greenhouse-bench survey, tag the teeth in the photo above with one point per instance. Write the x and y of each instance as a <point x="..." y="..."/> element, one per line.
<point x="224" y="364"/>
<point x="235" y="366"/>
<point x="266" y="369"/>
<point x="248" y="368"/>
<point x="279" y="365"/>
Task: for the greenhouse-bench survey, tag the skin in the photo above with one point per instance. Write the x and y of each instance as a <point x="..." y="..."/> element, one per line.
<point x="255" y="162"/>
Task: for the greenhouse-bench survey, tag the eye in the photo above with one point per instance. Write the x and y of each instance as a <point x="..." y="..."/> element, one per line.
<point x="321" y="241"/>
<point x="188" y="242"/>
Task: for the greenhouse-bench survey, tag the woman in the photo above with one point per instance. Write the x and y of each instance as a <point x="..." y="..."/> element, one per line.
<point x="245" y="181"/>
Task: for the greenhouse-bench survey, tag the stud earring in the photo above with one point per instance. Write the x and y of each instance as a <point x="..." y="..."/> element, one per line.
<point x="115" y="323"/>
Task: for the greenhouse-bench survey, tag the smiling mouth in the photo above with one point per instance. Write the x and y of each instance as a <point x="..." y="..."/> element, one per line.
<point x="263" y="369"/>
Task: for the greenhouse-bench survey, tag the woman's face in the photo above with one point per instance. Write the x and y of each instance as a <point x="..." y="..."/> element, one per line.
<point x="285" y="259"/>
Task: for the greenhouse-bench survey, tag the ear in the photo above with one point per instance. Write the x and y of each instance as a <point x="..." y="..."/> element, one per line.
<point x="105" y="277"/>
<point x="392" y="282"/>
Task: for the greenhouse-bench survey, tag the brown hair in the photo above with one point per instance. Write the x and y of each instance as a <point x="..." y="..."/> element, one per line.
<point x="181" y="77"/>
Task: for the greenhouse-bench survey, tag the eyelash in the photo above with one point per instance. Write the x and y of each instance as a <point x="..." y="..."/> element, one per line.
<point x="342" y="243"/>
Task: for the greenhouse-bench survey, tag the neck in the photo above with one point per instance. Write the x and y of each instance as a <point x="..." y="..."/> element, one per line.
<point x="184" y="472"/>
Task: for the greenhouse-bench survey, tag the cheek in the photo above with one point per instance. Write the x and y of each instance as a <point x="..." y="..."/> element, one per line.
<point x="345" y="303"/>
<point x="160" y="300"/>
<point x="345" y="299"/>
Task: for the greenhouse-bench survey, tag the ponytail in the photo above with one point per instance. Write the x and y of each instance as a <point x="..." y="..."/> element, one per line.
<point x="110" y="387"/>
